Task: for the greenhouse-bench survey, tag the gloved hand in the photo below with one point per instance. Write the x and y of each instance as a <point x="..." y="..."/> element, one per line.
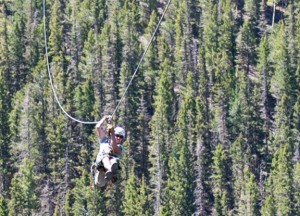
<point x="108" y="118"/>
<point x="109" y="129"/>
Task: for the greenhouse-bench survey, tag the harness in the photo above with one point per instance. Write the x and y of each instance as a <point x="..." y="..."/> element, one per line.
<point x="105" y="150"/>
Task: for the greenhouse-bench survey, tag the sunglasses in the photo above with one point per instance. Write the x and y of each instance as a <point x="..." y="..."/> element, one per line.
<point x="119" y="136"/>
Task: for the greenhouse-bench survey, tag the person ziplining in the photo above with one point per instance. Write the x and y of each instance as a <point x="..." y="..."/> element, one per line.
<point x="106" y="165"/>
<point x="111" y="149"/>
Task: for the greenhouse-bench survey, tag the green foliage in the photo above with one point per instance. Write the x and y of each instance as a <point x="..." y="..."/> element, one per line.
<point x="214" y="101"/>
<point x="220" y="176"/>
<point x="84" y="101"/>
<point x="136" y="201"/>
<point x="161" y="129"/>
<point x="280" y="187"/>
<point x="57" y="140"/>
<point x="210" y="36"/>
<point x="264" y="75"/>
<point x="282" y="81"/>
<point x="249" y="198"/>
<point x="85" y="198"/>
<point x="69" y="201"/>
<point x="3" y="207"/>
<point x="269" y="207"/>
<point x="297" y="187"/>
<point x="246" y="46"/>
<point x="18" y="49"/>
<point x="24" y="198"/>
<point x="5" y="148"/>
<point x="151" y="64"/>
<point x="55" y="37"/>
<point x="180" y="180"/>
<point x="203" y="153"/>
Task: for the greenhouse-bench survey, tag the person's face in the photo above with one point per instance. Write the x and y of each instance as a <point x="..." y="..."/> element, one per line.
<point x="119" y="138"/>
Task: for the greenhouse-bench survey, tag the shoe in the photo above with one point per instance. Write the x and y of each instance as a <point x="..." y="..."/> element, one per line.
<point x="108" y="175"/>
<point x="99" y="179"/>
<point x="114" y="168"/>
<point x="93" y="167"/>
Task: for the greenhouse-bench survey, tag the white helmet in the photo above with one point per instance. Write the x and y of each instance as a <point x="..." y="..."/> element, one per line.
<point x="120" y="131"/>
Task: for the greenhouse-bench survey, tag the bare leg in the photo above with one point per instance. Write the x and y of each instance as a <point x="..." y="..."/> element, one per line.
<point x="114" y="164"/>
<point x="106" y="163"/>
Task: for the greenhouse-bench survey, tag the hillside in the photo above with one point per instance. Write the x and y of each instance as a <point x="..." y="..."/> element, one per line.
<point x="211" y="112"/>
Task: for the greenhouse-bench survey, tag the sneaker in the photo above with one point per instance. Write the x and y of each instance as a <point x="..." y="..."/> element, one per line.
<point x="100" y="180"/>
<point x="108" y="175"/>
<point x="114" y="167"/>
<point x="93" y="167"/>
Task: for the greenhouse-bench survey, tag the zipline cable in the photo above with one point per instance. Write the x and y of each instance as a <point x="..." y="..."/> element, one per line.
<point x="49" y="73"/>
<point x="143" y="56"/>
<point x="124" y="93"/>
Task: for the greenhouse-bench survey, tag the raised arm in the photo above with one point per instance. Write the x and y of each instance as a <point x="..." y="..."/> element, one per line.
<point x="99" y="125"/>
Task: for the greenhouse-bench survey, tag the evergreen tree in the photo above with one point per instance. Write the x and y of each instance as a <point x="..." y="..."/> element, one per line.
<point x="283" y="124"/>
<point x="38" y="116"/>
<point x="131" y="50"/>
<point x="239" y="162"/>
<point x="69" y="201"/>
<point x="161" y="127"/>
<point x="56" y="137"/>
<point x="282" y="81"/>
<point x="76" y="42"/>
<point x="99" y="9"/>
<point x="57" y="210"/>
<point x="249" y="148"/>
<point x="210" y="38"/>
<point x="86" y="200"/>
<point x="220" y="182"/>
<point x="84" y="102"/>
<point x="3" y="207"/>
<point x="203" y="193"/>
<point x="183" y="41"/>
<point x="246" y="47"/>
<point x="203" y="141"/>
<point x="248" y="124"/>
<point x="295" y="130"/>
<point x="5" y="56"/>
<point x="151" y="62"/>
<point x="180" y="186"/>
<point x="24" y="200"/>
<point x="26" y="122"/>
<point x="55" y="38"/>
<point x="142" y="151"/>
<point x="57" y="56"/>
<point x="90" y="68"/>
<point x="144" y="198"/>
<point x="18" y="49"/>
<point x="296" y="181"/>
<point x="262" y="25"/>
<point x="249" y="199"/>
<point x="89" y="62"/>
<point x="225" y="63"/>
<point x="147" y="8"/>
<point x="264" y="76"/>
<point x="5" y="154"/>
<point x="33" y="37"/>
<point x="297" y="38"/>
<point x="135" y="197"/>
<point x="291" y="32"/>
<point x="268" y="207"/>
<point x="251" y="11"/>
<point x="111" y="62"/>
<point x="282" y="181"/>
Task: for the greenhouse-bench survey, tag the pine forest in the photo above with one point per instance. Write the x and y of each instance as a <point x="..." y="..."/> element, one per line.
<point x="212" y="114"/>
